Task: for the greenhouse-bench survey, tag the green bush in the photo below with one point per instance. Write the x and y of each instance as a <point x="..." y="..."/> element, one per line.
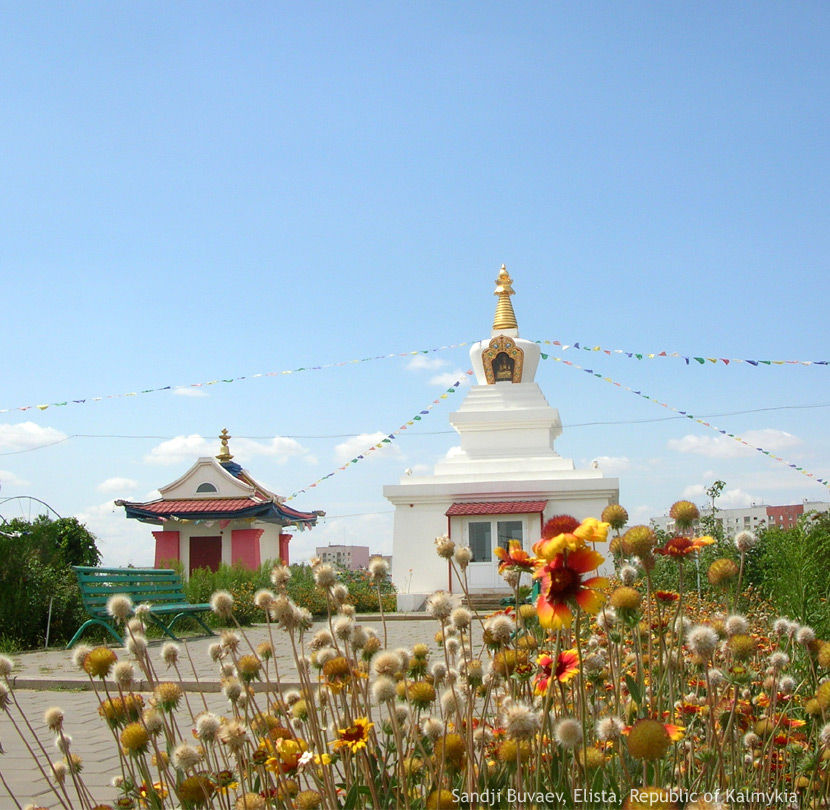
<point x="791" y="569"/>
<point x="37" y="558"/>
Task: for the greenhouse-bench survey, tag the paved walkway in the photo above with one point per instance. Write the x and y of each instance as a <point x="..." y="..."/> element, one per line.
<point x="49" y="678"/>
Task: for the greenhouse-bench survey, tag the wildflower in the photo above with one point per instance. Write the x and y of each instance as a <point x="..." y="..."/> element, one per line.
<point x="741" y="646"/>
<point x="499" y="629"/>
<point x="666" y="597"/>
<point x="562" y="587"/>
<point x="521" y="722"/>
<point x="378" y="569"/>
<point x="250" y="801"/>
<point x="628" y="575"/>
<point x="609" y="728"/>
<point x="441" y="604"/>
<point x="137" y="645"/>
<point x="452" y="750"/>
<point x="805" y="635"/>
<point x="388" y="663"/>
<point x="186" y="757"/>
<point x="120" y="606"/>
<point x="230" y="641"/>
<point x="280" y="574"/>
<point x="207" y="726"/>
<point x="196" y="789"/>
<point x="685" y="513"/>
<point x="592" y="530"/>
<point x="248" y="667"/>
<point x="221" y="603"/>
<point x="442" y="799"/>
<point x="234" y="735"/>
<point x="559" y="524"/>
<point x="638" y="541"/>
<point x="567" y="667"/>
<point x="650" y="739"/>
<point x="444" y="547"/>
<point x="548" y="548"/>
<point x="153" y="721"/>
<point x="120" y="710"/>
<point x="568" y="732"/>
<point x="463" y="556"/>
<point x="168" y="695"/>
<point x="615" y="516"/>
<point x="680" y="546"/>
<point x="703" y="641"/>
<point x="433" y="728"/>
<point x="514" y="557"/>
<point x="78" y="655"/>
<point x="420" y="694"/>
<point x="353" y="737"/>
<point x="510" y="749"/>
<point x="59" y="771"/>
<point x="625" y="599"/>
<point x="134" y="739"/>
<point x="337" y="671"/>
<point x="53" y="717"/>
<point x="263" y="598"/>
<point x="745" y="540"/>
<point x="307" y="800"/>
<point x="99" y="661"/>
<point x="721" y="572"/>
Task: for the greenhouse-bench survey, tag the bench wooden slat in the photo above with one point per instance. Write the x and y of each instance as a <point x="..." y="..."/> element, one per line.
<point x="162" y="588"/>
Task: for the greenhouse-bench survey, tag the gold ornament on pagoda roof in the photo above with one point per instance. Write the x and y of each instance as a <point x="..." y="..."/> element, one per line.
<point x="224" y="450"/>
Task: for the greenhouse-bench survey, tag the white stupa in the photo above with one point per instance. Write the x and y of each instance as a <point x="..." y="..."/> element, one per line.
<point x="503" y="482"/>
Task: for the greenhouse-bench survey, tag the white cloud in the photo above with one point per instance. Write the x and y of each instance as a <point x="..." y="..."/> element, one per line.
<point x="640" y="515"/>
<point x="359" y="445"/>
<point x="726" y="447"/>
<point x="613" y="464"/>
<point x="188" y="391"/>
<point x="421" y="361"/>
<point x="117" y="485"/>
<point x="27" y="435"/>
<point x="11" y="479"/>
<point x="449" y="379"/>
<point x="120" y="541"/>
<point x="184" y="449"/>
<point x="729" y="499"/>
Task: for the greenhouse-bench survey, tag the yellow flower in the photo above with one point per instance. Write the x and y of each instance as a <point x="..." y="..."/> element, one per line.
<point x="592" y="530"/>
<point x="134" y="739"/>
<point x="99" y="662"/>
<point x="353" y="737"/>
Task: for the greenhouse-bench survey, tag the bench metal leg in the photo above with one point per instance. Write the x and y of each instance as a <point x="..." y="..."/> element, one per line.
<point x="100" y="623"/>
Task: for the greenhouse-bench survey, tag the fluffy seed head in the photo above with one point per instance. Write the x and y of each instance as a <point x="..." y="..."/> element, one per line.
<point x="53" y="718"/>
<point x="745" y="540"/>
<point x="221" y="603"/>
<point x="463" y="556"/>
<point x="186" y="756"/>
<point x="119" y="606"/>
<point x="568" y="732"/>
<point x="383" y="689"/>
<point x="170" y="653"/>
<point x="703" y="641"/>
<point x="378" y="569"/>
<point x="736" y="625"/>
<point x="325" y="576"/>
<point x="444" y="547"/>
<point x="521" y="722"/>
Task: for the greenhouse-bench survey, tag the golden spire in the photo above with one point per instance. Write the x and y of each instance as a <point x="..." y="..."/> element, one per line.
<point x="505" y="317"/>
<point x="224" y="450"/>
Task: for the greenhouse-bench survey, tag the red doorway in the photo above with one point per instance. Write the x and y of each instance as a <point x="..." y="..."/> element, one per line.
<point x="205" y="552"/>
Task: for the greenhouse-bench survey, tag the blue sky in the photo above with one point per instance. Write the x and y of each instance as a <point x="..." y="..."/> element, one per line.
<point x="201" y="192"/>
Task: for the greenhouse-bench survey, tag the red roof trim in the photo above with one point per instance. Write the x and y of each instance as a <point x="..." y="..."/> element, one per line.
<point x="497" y="508"/>
<point x="200" y="505"/>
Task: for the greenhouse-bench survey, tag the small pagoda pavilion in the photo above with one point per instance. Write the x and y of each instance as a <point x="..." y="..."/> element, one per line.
<point x="217" y="513"/>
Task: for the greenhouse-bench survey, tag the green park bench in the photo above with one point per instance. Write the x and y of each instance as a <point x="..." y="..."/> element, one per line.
<point x="160" y="587"/>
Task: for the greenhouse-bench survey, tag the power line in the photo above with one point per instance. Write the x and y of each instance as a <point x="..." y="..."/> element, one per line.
<point x="419" y="433"/>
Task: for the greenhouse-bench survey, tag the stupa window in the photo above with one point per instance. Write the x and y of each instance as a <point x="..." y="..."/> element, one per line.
<point x="480" y="535"/>
<point x="206" y="487"/>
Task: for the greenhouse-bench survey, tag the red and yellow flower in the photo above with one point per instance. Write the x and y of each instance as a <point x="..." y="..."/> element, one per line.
<point x="563" y="588"/>
<point x="563" y="669"/>
<point x="683" y="546"/>
<point x="514" y="557"/>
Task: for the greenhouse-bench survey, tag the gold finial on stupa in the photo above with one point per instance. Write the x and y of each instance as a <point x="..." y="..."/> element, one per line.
<point x="505" y="317"/>
<point x="224" y="450"/>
